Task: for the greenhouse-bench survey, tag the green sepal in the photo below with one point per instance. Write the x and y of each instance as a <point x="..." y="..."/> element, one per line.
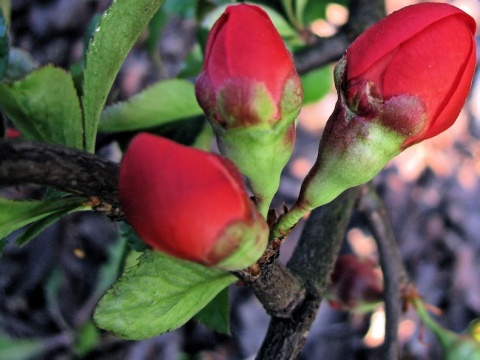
<point x="261" y="156"/>
<point x="258" y="144"/>
<point x="358" y="164"/>
<point x="250" y="241"/>
<point x="357" y="142"/>
<point x="342" y="164"/>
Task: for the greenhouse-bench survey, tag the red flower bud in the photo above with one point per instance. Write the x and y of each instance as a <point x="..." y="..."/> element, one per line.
<point x="190" y="204"/>
<point x="251" y="94"/>
<point x="245" y="54"/>
<point x="402" y="81"/>
<point x="426" y="51"/>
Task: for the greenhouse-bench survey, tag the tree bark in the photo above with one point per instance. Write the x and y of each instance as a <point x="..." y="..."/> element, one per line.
<point x="66" y="169"/>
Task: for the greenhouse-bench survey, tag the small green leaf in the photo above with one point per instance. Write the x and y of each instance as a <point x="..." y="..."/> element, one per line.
<point x="163" y="103"/>
<point x="216" y="315"/>
<point x="45" y="107"/>
<point x="77" y="68"/>
<point x="117" y="32"/>
<point x="316" y="84"/>
<point x="17" y="213"/>
<point x="158" y="295"/>
<point x="38" y="226"/>
<point x="86" y="338"/>
<point x="89" y="34"/>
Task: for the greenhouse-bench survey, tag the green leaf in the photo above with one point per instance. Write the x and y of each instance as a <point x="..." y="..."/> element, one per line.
<point x="17" y="213"/>
<point x="86" y="338"/>
<point x="3" y="42"/>
<point x="216" y="315"/>
<point x="14" y="349"/>
<point x="38" y="226"/>
<point x="45" y="107"/>
<point x="158" y="295"/>
<point x="163" y="103"/>
<point x="300" y="10"/>
<point x="316" y="84"/>
<point x="119" y="29"/>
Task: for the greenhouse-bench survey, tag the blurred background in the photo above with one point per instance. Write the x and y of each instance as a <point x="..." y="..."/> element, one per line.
<point x="431" y="191"/>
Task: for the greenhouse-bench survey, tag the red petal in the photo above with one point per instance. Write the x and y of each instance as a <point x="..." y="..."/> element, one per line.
<point x="244" y="43"/>
<point x="456" y="99"/>
<point x="395" y="29"/>
<point x="430" y="65"/>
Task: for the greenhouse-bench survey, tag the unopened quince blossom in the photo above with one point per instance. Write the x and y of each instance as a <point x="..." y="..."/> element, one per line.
<point x="190" y="204"/>
<point x="402" y="81"/>
<point x="251" y="94"/>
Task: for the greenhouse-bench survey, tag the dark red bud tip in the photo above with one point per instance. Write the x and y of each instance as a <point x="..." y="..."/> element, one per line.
<point x="363" y="98"/>
<point x="181" y="200"/>
<point x="354" y="282"/>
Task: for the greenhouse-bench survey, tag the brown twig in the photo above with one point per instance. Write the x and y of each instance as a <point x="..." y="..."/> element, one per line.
<point x="312" y="261"/>
<point x="395" y="277"/>
<point x="66" y="169"/>
<point x="279" y="290"/>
